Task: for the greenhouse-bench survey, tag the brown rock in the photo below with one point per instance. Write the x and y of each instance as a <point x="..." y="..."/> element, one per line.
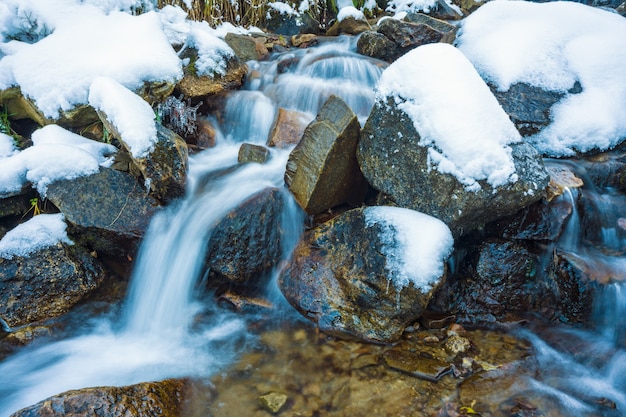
<point x="304" y="40"/>
<point x="348" y="26"/>
<point x="287" y="129"/>
<point x="247" y="48"/>
<point x="249" y="152"/>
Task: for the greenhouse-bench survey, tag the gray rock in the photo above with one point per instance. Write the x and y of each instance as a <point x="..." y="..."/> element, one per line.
<point x="246" y="47"/>
<point x="322" y="170"/>
<point x="46" y="283"/>
<point x="108" y="212"/>
<point x="403" y="178"/>
<point x="377" y="45"/>
<point x="249" y="152"/>
<point x="408" y="35"/>
<point x="338" y="277"/>
<point x="348" y="26"/>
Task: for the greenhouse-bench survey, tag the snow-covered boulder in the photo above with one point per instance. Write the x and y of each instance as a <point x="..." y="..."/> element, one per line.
<point x="437" y="141"/>
<point x="42" y="273"/>
<point x="369" y="272"/>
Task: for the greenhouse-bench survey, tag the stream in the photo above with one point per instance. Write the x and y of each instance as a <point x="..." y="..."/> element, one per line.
<point x="166" y="327"/>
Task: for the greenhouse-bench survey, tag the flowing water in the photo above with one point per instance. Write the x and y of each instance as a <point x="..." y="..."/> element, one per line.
<point x="157" y="335"/>
<point x="165" y="329"/>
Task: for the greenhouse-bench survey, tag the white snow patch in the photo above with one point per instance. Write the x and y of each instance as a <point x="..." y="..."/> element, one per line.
<point x="350" y="11"/>
<point x="213" y="52"/>
<point x="56" y="71"/>
<point x="7" y="146"/>
<point x="553" y="45"/>
<point x="458" y="118"/>
<point x="56" y="155"/>
<point x="282" y="8"/>
<point x="40" y="232"/>
<point x="129" y="113"/>
<point x="398" y="6"/>
<point x="416" y="245"/>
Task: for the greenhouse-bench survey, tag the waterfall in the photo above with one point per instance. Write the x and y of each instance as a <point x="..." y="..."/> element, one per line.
<point x="157" y="335"/>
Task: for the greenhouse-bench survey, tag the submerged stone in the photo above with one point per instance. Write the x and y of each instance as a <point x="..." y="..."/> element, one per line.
<point x="424" y="367"/>
<point x="273" y="401"/>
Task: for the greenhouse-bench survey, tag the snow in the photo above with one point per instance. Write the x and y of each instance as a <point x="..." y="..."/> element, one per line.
<point x="40" y="232"/>
<point x="458" y="118"/>
<point x="398" y="6"/>
<point x="350" y="11"/>
<point x="553" y="45"/>
<point x="56" y="154"/>
<point x="7" y="146"/>
<point x="131" y="115"/>
<point x="416" y="246"/>
<point x="282" y="8"/>
<point x="134" y="49"/>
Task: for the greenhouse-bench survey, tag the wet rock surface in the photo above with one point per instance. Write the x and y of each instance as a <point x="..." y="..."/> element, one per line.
<point x="322" y="170"/>
<point x="396" y="168"/>
<point x="108" y="212"/>
<point x="338" y="278"/>
<point x="46" y="283"/>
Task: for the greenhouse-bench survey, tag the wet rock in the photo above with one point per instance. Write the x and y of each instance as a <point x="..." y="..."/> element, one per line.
<point x="249" y="152"/>
<point x="273" y="401"/>
<point x="247" y="48"/>
<point x="194" y="85"/>
<point x="304" y="40"/>
<point x="578" y="278"/>
<point x="607" y="169"/>
<point x="529" y="106"/>
<point x="396" y="168"/>
<point x="165" y="168"/>
<point x="287" y="129"/>
<point x="424" y="367"/>
<point x="339" y="277"/>
<point x="457" y="344"/>
<point x="377" y="45"/>
<point x="322" y="170"/>
<point x="164" y="398"/>
<point x="16" y="204"/>
<point x="348" y="26"/>
<point x="542" y="221"/>
<point x="46" y="283"/>
<point x="108" y="212"/>
<point x="205" y="135"/>
<point x="247" y="241"/>
<point x="561" y="178"/>
<point x="498" y="280"/>
<point x="408" y="35"/>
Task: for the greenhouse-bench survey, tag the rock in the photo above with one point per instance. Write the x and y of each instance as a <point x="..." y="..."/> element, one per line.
<point x="164" y="398"/>
<point x="304" y="40"/>
<point x="155" y="91"/>
<point x="287" y="129"/>
<point x="561" y="178"/>
<point x="46" y="283"/>
<point x="108" y="212"/>
<point x="457" y="344"/>
<point x="498" y="281"/>
<point x="428" y="368"/>
<point x="16" y="204"/>
<point x="447" y="29"/>
<point x="249" y="152"/>
<point x="20" y="107"/>
<point x="205" y="135"/>
<point x="165" y="168"/>
<point x="377" y="45"/>
<point x="407" y="35"/>
<point x="397" y="168"/>
<point x="285" y="24"/>
<point x="247" y="241"/>
<point x="322" y="170"/>
<point x="442" y="10"/>
<point x="542" y="221"/>
<point x="528" y="106"/>
<point x="273" y="401"/>
<point x="247" y="48"/>
<point x="193" y="85"/>
<point x="348" y="26"/>
<point x="345" y="276"/>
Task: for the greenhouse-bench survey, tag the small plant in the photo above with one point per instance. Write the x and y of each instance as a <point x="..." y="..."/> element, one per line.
<point x="5" y="126"/>
<point x="179" y="115"/>
<point x="35" y="208"/>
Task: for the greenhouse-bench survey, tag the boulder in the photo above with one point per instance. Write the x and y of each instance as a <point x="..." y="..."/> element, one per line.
<point x="367" y="273"/>
<point x="46" y="283"/>
<point x="443" y="10"/>
<point x="247" y="241"/>
<point x="408" y="35"/>
<point x="322" y="170"/>
<point x="195" y="86"/>
<point x="108" y="212"/>
<point x="287" y="129"/>
<point x="304" y="40"/>
<point x="247" y="48"/>
<point x="377" y="45"/>
<point x="285" y="24"/>
<point x="348" y="26"/>
<point x="529" y="106"/>
<point x="447" y="170"/>
<point x="447" y="29"/>
<point x="164" y="398"/>
<point x="249" y="152"/>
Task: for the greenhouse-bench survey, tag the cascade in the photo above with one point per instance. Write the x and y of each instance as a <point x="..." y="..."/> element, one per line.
<point x="156" y="335"/>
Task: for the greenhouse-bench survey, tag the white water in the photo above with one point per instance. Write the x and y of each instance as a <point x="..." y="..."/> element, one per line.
<point x="157" y="335"/>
